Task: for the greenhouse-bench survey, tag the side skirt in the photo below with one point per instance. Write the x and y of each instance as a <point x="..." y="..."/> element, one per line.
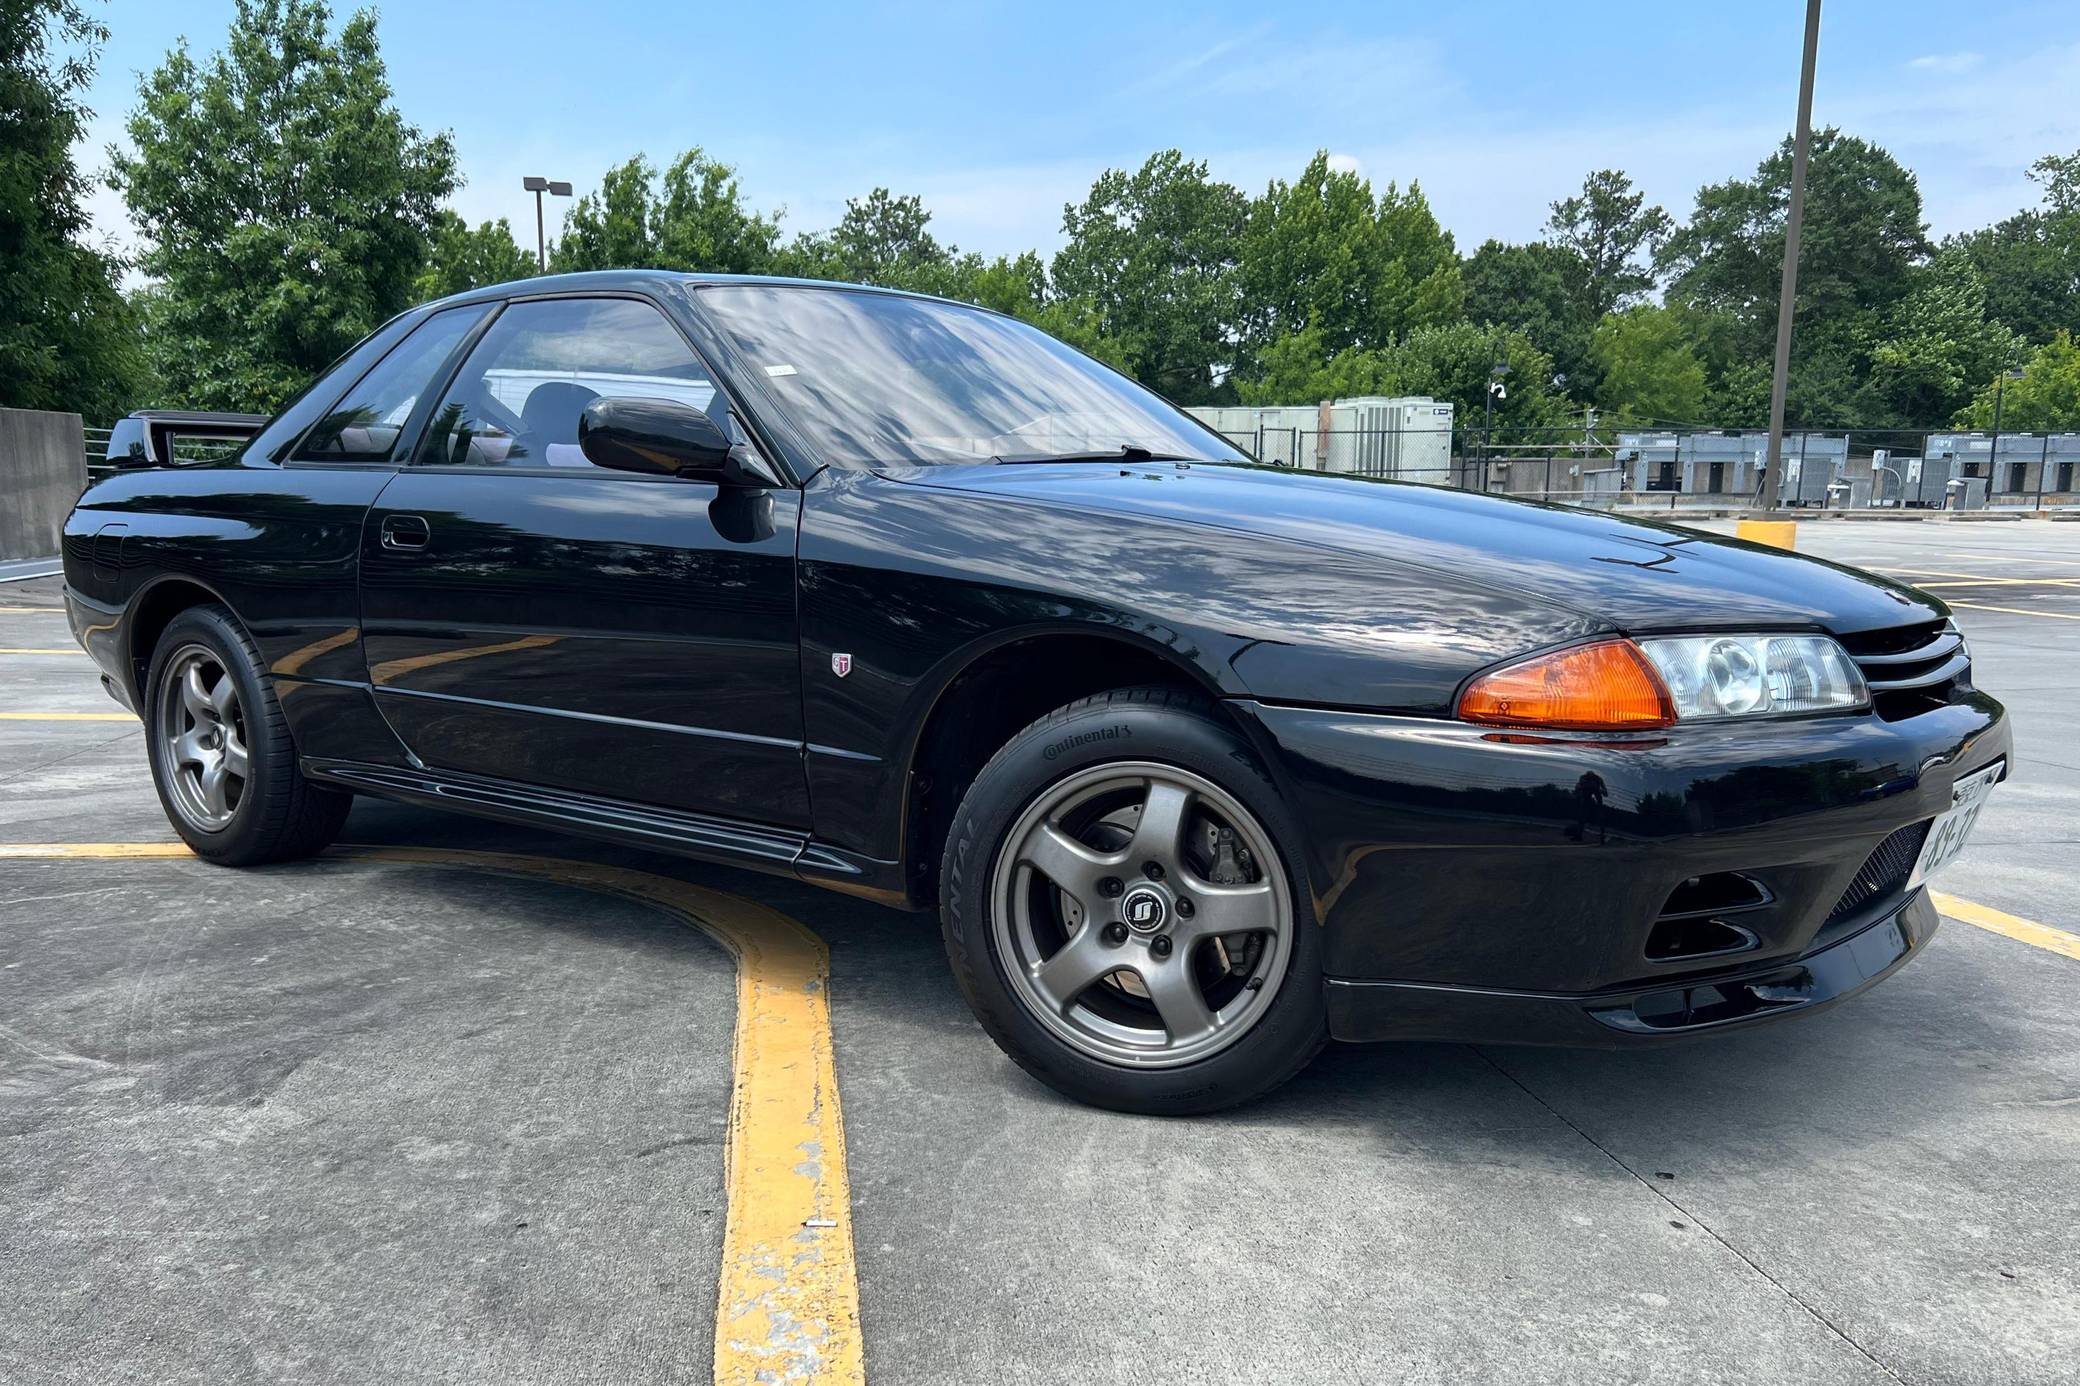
<point x="731" y="842"/>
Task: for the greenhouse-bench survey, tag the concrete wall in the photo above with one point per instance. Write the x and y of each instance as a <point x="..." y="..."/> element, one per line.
<point x="43" y="468"/>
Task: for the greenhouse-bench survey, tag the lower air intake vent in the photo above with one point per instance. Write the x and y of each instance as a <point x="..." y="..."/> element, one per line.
<point x="1883" y="873"/>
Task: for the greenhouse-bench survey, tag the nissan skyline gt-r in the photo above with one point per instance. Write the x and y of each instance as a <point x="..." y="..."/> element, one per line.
<point x="1201" y="763"/>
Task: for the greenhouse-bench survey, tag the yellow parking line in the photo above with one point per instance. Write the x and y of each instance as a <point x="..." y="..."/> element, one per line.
<point x="2019" y="610"/>
<point x="67" y="717"/>
<point x="2024" y="930"/>
<point x="42" y="652"/>
<point x="788" y="1301"/>
<point x="1981" y="579"/>
<point x="32" y="610"/>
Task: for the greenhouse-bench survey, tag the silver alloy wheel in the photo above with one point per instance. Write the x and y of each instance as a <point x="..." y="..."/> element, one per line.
<point x="1111" y="930"/>
<point x="202" y="738"/>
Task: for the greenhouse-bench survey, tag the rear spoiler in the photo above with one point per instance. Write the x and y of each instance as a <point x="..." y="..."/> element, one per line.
<point x="153" y="437"/>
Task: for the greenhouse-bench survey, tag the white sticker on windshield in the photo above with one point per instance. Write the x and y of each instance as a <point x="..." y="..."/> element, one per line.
<point x="779" y="370"/>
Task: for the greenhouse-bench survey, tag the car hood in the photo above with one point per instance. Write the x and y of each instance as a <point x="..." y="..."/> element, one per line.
<point x="1637" y="575"/>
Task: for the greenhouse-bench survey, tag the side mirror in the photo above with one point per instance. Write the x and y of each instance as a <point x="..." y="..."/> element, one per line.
<point x="659" y="436"/>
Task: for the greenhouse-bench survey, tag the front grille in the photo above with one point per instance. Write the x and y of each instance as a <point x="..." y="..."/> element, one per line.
<point x="1911" y="669"/>
<point x="1883" y="872"/>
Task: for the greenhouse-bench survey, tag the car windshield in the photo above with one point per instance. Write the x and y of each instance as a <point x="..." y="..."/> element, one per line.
<point x="874" y="378"/>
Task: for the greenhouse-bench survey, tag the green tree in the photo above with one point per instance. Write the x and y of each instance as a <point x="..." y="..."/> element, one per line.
<point x="693" y="218"/>
<point x="2030" y="262"/>
<point x="1941" y="345"/>
<point x="461" y="258"/>
<point x="1649" y="371"/>
<point x="2045" y="400"/>
<point x="1153" y="255"/>
<point x="1861" y="243"/>
<point x="885" y="240"/>
<point x="1528" y="287"/>
<point x="1362" y="270"/>
<point x="1610" y="234"/>
<point x="67" y="336"/>
<point x="286" y="206"/>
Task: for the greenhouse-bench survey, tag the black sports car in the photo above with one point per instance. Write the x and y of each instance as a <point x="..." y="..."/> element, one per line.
<point x="1200" y="762"/>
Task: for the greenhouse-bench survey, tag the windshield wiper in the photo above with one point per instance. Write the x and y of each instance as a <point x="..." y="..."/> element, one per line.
<point x="1127" y="452"/>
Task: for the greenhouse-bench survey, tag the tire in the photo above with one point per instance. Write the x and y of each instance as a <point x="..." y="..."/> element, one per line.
<point x="1052" y="821"/>
<point x="209" y="708"/>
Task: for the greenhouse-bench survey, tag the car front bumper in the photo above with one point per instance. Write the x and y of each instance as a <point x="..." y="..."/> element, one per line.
<point x="1477" y="884"/>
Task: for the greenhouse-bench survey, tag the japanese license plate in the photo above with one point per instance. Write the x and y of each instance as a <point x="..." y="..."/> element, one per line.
<point x="1947" y="834"/>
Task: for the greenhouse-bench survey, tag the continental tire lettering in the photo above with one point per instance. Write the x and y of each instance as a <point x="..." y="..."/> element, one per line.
<point x="1118" y="732"/>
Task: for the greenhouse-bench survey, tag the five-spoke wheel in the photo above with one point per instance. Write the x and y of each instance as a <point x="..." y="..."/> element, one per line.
<point x="202" y="736"/>
<point x="1122" y="905"/>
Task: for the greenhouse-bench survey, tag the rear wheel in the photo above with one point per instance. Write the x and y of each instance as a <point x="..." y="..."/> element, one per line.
<point x="221" y="755"/>
<point x="1129" y="927"/>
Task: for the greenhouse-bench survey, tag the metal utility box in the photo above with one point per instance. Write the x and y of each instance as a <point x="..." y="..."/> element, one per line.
<point x="1812" y="463"/>
<point x="1924" y="482"/>
<point x="1649" y="460"/>
<point x="1405" y="437"/>
<point x="1970" y="454"/>
<point x="1722" y="464"/>
<point x="1408" y="438"/>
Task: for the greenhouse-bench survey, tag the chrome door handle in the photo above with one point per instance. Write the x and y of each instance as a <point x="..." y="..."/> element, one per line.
<point x="407" y="532"/>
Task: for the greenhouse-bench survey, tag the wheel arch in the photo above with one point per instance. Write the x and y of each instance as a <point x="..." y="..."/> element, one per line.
<point x="151" y="611"/>
<point x="993" y="692"/>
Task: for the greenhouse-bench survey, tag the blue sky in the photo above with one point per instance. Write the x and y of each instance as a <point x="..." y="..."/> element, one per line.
<point x="998" y="114"/>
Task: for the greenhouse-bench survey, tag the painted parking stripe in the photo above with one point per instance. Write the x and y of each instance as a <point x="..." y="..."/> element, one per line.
<point x="67" y="717"/>
<point x="32" y="611"/>
<point x="2018" y="610"/>
<point x="788" y="1299"/>
<point x="2012" y="926"/>
<point x="56" y="650"/>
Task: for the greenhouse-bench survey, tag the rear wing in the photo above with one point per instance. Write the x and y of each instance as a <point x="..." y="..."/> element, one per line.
<point x="179" y="437"/>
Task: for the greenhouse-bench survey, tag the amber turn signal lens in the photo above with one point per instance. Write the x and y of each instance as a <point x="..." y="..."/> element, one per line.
<point x="1608" y="686"/>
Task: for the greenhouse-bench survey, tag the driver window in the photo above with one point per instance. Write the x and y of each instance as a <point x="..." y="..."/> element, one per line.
<point x="516" y="401"/>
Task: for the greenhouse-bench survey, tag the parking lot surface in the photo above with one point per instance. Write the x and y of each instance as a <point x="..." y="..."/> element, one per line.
<point x="388" y="1116"/>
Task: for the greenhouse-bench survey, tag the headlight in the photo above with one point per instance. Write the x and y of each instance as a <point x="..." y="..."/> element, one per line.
<point x="1710" y="676"/>
<point x="1617" y="685"/>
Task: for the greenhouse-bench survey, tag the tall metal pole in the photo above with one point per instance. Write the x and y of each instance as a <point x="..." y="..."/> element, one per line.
<point x="1786" y="296"/>
<point x="541" y="244"/>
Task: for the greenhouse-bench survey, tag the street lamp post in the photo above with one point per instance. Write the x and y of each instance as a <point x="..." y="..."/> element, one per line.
<point x="1497" y="368"/>
<point x="1993" y="449"/>
<point x="538" y="186"/>
<point x="1787" y="293"/>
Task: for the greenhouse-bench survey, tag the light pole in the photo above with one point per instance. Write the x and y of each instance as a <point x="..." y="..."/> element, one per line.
<point x="1993" y="449"/>
<point x="1788" y="291"/>
<point x="1497" y="368"/>
<point x="538" y="186"/>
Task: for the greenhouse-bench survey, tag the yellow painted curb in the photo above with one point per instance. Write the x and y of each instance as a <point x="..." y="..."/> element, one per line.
<point x="788" y="1301"/>
<point x="1778" y="534"/>
<point x="2012" y="926"/>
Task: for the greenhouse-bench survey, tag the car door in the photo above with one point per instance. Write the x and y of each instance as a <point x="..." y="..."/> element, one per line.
<point x="531" y="618"/>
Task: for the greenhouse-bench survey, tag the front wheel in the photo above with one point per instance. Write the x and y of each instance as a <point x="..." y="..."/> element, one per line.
<point x="1124" y="910"/>
<point x="221" y="755"/>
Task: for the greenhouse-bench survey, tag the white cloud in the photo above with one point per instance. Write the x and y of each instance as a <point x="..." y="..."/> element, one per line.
<point x="1947" y="62"/>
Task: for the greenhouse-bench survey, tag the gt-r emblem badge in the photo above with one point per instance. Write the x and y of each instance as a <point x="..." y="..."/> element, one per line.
<point x="841" y="664"/>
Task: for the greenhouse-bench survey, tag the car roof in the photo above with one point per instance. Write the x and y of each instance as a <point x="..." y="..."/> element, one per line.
<point x="626" y="279"/>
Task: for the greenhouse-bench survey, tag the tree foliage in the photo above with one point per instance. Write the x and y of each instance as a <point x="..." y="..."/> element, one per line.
<point x="2046" y="399"/>
<point x="2030" y="262"/>
<point x="1152" y="254"/>
<point x="1648" y="368"/>
<point x="1607" y="234"/>
<point x="1362" y="270"/>
<point x="286" y="205"/>
<point x="460" y="258"/>
<point x="694" y="217"/>
<point x="67" y="335"/>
